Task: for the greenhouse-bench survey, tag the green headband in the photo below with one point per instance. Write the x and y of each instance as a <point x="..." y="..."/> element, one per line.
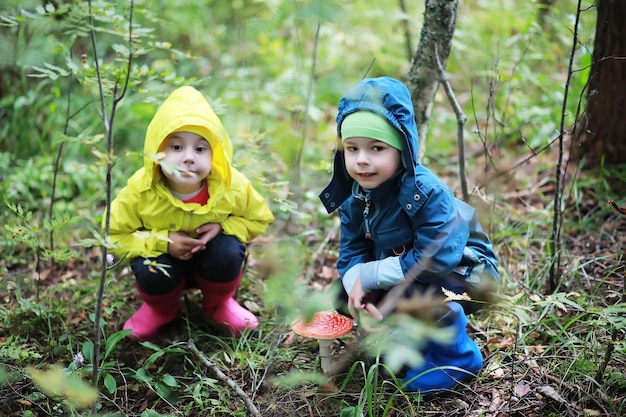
<point x="370" y="125"/>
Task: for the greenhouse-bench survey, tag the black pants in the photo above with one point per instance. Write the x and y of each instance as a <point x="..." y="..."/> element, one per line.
<point x="221" y="261"/>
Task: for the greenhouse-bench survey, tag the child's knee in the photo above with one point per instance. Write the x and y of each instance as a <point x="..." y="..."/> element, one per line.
<point x="155" y="276"/>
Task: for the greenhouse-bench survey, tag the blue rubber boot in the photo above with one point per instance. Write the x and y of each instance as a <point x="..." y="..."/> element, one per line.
<point x="445" y="365"/>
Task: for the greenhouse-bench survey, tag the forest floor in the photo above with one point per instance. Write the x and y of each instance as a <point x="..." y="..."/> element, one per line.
<point x="548" y="367"/>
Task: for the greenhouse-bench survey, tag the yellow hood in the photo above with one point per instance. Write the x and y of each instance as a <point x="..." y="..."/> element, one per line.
<point x="186" y="109"/>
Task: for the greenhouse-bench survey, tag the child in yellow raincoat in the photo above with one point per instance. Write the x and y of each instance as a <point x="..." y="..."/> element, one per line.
<point x="183" y="220"/>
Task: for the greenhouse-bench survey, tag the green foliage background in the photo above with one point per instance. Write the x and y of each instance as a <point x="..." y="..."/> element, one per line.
<point x="253" y="59"/>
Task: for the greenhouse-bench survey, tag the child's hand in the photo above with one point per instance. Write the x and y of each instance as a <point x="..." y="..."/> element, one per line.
<point x="206" y="232"/>
<point x="358" y="299"/>
<point x="182" y="246"/>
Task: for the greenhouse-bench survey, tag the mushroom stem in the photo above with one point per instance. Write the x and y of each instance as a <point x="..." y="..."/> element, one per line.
<point x="325" y="354"/>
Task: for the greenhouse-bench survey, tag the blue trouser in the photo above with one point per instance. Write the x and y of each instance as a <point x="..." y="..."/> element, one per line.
<point x="445" y="364"/>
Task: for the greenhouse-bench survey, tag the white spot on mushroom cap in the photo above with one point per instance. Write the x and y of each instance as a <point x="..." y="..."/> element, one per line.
<point x="324" y="325"/>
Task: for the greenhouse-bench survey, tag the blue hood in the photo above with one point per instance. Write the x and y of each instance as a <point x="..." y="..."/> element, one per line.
<point x="389" y="98"/>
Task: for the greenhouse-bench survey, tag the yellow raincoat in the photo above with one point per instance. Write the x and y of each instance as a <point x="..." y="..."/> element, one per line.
<point x="144" y="211"/>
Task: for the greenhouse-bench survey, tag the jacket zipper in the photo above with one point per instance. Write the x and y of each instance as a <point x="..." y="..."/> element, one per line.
<point x="190" y="219"/>
<point x="366" y="212"/>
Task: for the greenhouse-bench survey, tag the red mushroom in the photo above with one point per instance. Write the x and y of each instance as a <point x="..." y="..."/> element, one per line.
<point x="324" y="326"/>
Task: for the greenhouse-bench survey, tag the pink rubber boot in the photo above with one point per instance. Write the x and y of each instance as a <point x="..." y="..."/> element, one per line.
<point x="155" y="312"/>
<point x="218" y="304"/>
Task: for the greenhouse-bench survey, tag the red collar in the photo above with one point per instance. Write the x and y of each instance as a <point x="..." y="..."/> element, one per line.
<point x="201" y="198"/>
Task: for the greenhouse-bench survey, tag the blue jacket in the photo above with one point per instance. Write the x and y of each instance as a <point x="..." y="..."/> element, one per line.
<point x="414" y="221"/>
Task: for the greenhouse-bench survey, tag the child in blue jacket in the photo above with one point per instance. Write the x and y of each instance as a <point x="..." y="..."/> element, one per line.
<point x="397" y="217"/>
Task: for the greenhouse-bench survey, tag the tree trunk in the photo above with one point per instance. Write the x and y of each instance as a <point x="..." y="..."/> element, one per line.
<point x="544" y="9"/>
<point x="601" y="132"/>
<point x="423" y="78"/>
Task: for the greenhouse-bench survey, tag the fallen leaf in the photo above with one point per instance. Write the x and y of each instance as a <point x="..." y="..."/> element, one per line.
<point x="496" y="400"/>
<point x="495" y="371"/>
<point x="327" y="273"/>
<point x="549" y="392"/>
<point x="521" y="389"/>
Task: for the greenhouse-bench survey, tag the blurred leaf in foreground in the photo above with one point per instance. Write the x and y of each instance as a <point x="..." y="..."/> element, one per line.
<point x="56" y="382"/>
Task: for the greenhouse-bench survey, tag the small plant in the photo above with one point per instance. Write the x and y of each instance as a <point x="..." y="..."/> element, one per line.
<point x="15" y="351"/>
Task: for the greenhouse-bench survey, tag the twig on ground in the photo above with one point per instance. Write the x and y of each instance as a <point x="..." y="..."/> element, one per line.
<point x="221" y="376"/>
<point x="320" y="250"/>
<point x="277" y="342"/>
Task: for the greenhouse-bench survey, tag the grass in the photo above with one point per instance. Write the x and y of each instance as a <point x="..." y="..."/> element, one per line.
<point x="542" y="351"/>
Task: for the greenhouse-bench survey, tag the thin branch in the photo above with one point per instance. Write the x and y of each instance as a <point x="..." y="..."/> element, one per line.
<point x="499" y="123"/>
<point x="57" y="162"/>
<point x="607" y="356"/>
<point x="369" y="68"/>
<point x="407" y="30"/>
<point x="460" y="119"/>
<point x="96" y="359"/>
<point x="320" y="249"/>
<point x="69" y="116"/>
<point x="309" y="100"/>
<point x="221" y="376"/>
<point x="621" y="210"/>
<point x="108" y="126"/>
<point x="103" y="106"/>
<point x="555" y="234"/>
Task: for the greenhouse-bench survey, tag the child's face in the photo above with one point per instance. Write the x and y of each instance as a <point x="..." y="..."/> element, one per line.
<point x="186" y="162"/>
<point x="370" y="162"/>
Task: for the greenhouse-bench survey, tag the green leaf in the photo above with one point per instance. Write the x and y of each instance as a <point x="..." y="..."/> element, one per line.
<point x="88" y="350"/>
<point x="121" y="49"/>
<point x="110" y="383"/>
<point x="162" y="389"/>
<point x="151" y="413"/>
<point x="169" y="380"/>
<point x="113" y="340"/>
<point x="351" y="412"/>
<point x="151" y="345"/>
<point x="143" y="376"/>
